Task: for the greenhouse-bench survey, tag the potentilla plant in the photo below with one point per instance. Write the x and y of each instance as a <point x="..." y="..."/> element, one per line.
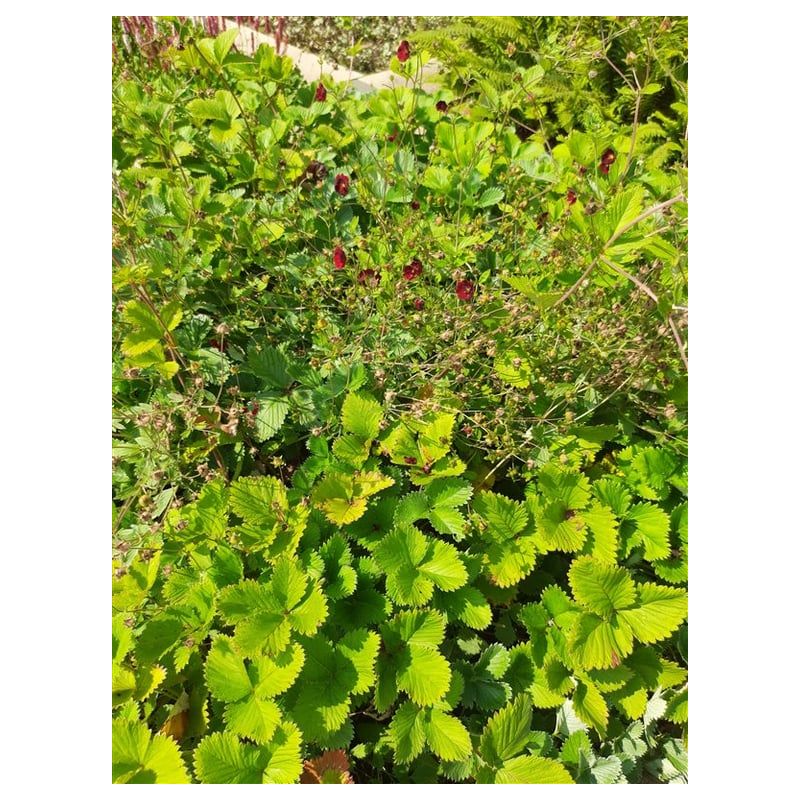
<point x="515" y="306"/>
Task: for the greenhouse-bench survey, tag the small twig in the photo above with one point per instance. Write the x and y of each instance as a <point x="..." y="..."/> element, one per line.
<point x="574" y="288"/>
<point x="632" y="278"/>
<point x="678" y="339"/>
<point x="636" y="111"/>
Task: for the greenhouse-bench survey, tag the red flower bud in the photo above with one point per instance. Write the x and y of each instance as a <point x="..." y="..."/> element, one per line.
<point x="465" y="290"/>
<point x="415" y="205"/>
<point x="410" y="460"/>
<point x="391" y="137"/>
<point x="339" y="258"/>
<point x="342" y="184"/>
<point x="403" y="51"/>
<point x="606" y="160"/>
<point x="441" y="106"/>
<point x="321" y="94"/>
<point x="412" y="270"/>
<point x="419" y="303"/>
<point x="608" y="157"/>
<point x="571" y="197"/>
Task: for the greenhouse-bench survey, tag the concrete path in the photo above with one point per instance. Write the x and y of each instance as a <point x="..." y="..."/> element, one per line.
<point x="312" y="67"/>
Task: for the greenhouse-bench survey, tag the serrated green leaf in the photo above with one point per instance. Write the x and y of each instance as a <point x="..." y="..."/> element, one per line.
<point x="506" y="733"/>
<point x="420" y="628"/>
<point x="271" y="414"/>
<point x="448" y="522"/>
<point x="563" y="485"/>
<point x="596" y="642"/>
<point x="273" y="676"/>
<point x="678" y="707"/>
<point x="407" y="732"/>
<point x="282" y="760"/>
<point x="557" y="676"/>
<point x="559" y="528"/>
<point x="424" y="675"/>
<point x="577" y="748"/>
<point x="613" y="493"/>
<point x="490" y="197"/>
<point x="222" y="758"/>
<point x="443" y="567"/>
<point x="351" y="449"/>
<point x="253" y="718"/>
<point x="226" y="676"/>
<point x="590" y="706"/>
<point x="360" y="648"/>
<point x="414" y="564"/>
<point x="271" y="365"/>
<point x="607" y="769"/>
<point x="306" y="617"/>
<point x="559" y="605"/>
<point x="158" y="637"/>
<point x="603" y="527"/>
<point x="505" y="518"/>
<point x="532" y="769"/>
<point x="567" y="721"/>
<point x="601" y="588"/>
<point x="121" y="638"/>
<point x="652" y="527"/>
<point x="362" y="415"/>
<point x="259" y="500"/>
<point x="658" y="612"/>
<point x="139" y="757"/>
<point x="467" y="604"/>
<point x="446" y="736"/>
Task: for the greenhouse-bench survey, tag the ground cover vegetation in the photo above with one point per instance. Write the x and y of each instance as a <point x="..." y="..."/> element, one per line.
<point x="400" y="410"/>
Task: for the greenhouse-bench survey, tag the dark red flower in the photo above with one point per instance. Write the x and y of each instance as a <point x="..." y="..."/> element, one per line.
<point x="412" y="270"/>
<point x="321" y="94"/>
<point x="465" y="289"/>
<point x="342" y="184"/>
<point x="391" y="137"/>
<point x="608" y="157"/>
<point x="419" y="303"/>
<point x="415" y="205"/>
<point x="339" y="258"/>
<point x="441" y="106"/>
<point x="368" y="276"/>
<point x="606" y="160"/>
<point x="571" y="197"/>
<point x="410" y="460"/>
<point x="403" y="51"/>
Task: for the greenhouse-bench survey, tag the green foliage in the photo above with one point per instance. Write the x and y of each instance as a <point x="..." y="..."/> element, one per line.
<point x="429" y="508"/>
<point x="301" y="644"/>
